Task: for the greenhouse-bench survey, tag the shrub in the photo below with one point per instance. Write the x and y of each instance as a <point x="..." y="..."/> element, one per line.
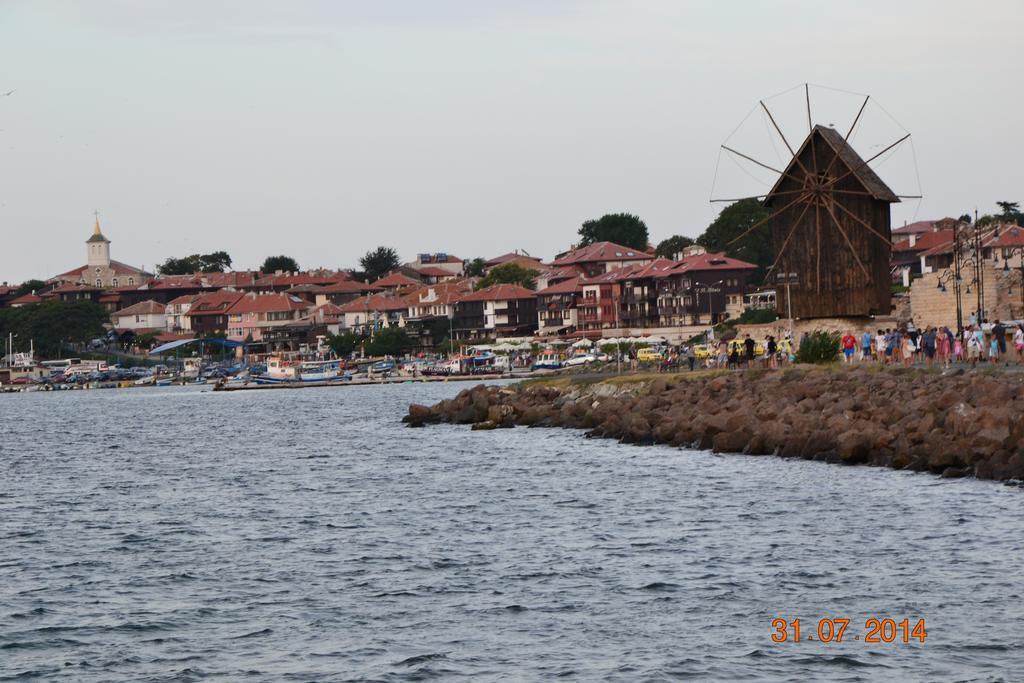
<point x="818" y="347"/>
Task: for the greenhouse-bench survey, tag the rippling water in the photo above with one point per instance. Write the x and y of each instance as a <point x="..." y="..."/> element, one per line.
<point x="173" y="534"/>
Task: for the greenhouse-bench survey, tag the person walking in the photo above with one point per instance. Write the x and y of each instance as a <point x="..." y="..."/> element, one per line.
<point x="1018" y="342"/>
<point x="748" y="347"/>
<point x="973" y="341"/>
<point x="880" y="346"/>
<point x="772" y="349"/>
<point x="865" y="346"/>
<point x="691" y="357"/>
<point x="958" y="346"/>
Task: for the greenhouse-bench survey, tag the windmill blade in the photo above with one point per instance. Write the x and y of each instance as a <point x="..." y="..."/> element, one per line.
<point x="867" y="225"/>
<point x="763" y="165"/>
<point x="784" y="140"/>
<point x="866" y="162"/>
<point x="846" y="237"/>
<point x="757" y="196"/>
<point x="763" y="221"/>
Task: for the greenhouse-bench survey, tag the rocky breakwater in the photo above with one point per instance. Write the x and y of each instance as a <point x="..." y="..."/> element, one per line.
<point x="955" y="424"/>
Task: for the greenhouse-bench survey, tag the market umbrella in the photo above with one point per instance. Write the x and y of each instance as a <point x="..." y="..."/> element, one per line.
<point x="583" y="344"/>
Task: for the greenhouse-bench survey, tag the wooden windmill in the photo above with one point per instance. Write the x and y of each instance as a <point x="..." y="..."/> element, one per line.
<point x="830" y="223"/>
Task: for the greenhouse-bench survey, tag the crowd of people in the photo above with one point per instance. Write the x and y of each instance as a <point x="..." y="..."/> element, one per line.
<point x="933" y="346"/>
<point x="984" y="342"/>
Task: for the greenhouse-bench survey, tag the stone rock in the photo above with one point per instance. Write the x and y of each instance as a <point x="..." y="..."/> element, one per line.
<point x="485" y="425"/>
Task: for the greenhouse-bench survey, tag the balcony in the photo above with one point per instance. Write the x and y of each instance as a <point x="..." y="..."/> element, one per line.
<point x="590" y="317"/>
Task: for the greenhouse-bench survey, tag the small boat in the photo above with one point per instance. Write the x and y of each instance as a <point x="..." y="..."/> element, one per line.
<point x="549" y="360"/>
<point x="285" y="371"/>
<point x="164" y="381"/>
<point x="145" y="381"/>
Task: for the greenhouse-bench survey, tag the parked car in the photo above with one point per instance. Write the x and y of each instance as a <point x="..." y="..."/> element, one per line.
<point x="648" y="355"/>
<point x="581" y="359"/>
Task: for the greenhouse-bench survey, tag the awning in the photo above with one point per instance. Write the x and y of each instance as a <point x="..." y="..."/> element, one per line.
<point x="170" y="346"/>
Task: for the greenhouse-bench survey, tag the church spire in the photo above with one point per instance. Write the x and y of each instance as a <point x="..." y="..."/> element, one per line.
<point x="96" y="230"/>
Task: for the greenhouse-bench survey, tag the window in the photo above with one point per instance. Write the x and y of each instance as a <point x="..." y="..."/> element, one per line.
<point x="99" y="282"/>
<point x="113" y="283"/>
<point x="131" y="281"/>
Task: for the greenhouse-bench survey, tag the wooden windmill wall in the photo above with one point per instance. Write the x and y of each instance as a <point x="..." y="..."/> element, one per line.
<point x="831" y="228"/>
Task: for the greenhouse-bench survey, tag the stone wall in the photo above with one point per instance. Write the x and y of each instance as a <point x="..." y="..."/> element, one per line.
<point x="930" y="305"/>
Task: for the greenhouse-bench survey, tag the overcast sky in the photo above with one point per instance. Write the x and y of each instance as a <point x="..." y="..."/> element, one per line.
<point x="323" y="129"/>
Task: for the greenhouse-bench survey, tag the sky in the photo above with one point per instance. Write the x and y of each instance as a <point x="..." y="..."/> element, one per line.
<point x="323" y="129"/>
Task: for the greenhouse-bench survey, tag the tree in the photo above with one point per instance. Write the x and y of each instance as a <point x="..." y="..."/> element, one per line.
<point x="1009" y="208"/>
<point x="668" y="248"/>
<point x="283" y="263"/>
<point x="29" y="286"/>
<point x="474" y="267"/>
<point x="217" y="262"/>
<point x="379" y="262"/>
<point x="345" y="343"/>
<point x="966" y="218"/>
<point x="50" y="324"/>
<point x="734" y="220"/>
<point x="509" y="274"/>
<point x="620" y="228"/>
<point x="389" y="341"/>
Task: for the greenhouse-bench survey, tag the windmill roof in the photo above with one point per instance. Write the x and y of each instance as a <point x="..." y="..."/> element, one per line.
<point x="853" y="161"/>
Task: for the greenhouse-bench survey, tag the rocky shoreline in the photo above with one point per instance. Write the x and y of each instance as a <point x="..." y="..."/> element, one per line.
<point x="954" y="424"/>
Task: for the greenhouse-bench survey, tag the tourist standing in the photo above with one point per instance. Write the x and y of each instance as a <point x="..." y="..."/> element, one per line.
<point x="749" y="347"/>
<point x="942" y="346"/>
<point x="908" y="349"/>
<point x="773" y="352"/>
<point x="958" y="346"/>
<point x="999" y="334"/>
<point x="849" y="346"/>
<point x="1018" y="342"/>
<point x="928" y="345"/>
<point x="865" y="346"/>
<point x="993" y="349"/>
<point x="880" y="346"/>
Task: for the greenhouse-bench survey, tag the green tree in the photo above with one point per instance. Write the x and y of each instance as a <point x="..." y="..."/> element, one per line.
<point x="50" y="324"/>
<point x="734" y="220"/>
<point x="668" y="248"/>
<point x="283" y="263"/>
<point x="217" y="262"/>
<point x="966" y="218"/>
<point x="379" y="262"/>
<point x="390" y="341"/>
<point x="345" y="343"/>
<point x="509" y="274"/>
<point x="474" y="267"/>
<point x="1009" y="208"/>
<point x="620" y="228"/>
<point x="29" y="286"/>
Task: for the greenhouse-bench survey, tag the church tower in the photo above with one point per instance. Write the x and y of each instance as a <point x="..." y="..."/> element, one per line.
<point x="98" y="247"/>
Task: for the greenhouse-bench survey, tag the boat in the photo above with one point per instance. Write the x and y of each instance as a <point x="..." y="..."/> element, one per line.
<point x="282" y="370"/>
<point x="549" y="360"/>
<point x="164" y="381"/>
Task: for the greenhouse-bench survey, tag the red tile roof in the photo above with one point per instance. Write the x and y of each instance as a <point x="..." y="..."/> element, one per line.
<point x="71" y="287"/>
<point x="573" y="284"/>
<point x="25" y="299"/>
<point x="348" y="287"/>
<point x="712" y="261"/>
<point x="395" y="280"/>
<point x="1009" y="236"/>
<point x="116" y="266"/>
<point x="376" y="302"/>
<point x="294" y="279"/>
<point x="148" y="307"/>
<point x="266" y="303"/>
<point x="213" y="302"/>
<point x="925" y="241"/>
<point x="511" y="256"/>
<point x="435" y="271"/>
<point x="183" y="299"/>
<point x="500" y="293"/>
<point x="601" y="252"/>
